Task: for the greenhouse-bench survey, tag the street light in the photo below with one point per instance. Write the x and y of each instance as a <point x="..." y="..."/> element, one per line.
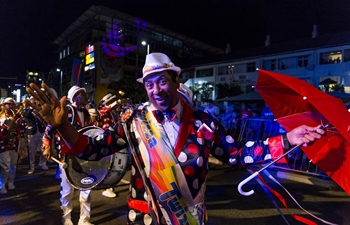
<point x="145" y="43"/>
<point x="61" y="77"/>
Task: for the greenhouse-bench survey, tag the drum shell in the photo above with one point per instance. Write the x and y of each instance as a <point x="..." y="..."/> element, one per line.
<point x="117" y="170"/>
<point x="101" y="174"/>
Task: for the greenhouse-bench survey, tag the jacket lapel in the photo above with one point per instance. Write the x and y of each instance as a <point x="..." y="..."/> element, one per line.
<point x="185" y="128"/>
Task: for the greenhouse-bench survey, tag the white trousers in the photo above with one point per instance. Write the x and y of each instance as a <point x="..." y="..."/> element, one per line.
<point x="8" y="164"/>
<point x="66" y="199"/>
<point x="35" y="142"/>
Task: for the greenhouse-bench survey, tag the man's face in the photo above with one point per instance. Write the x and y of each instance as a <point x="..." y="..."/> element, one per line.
<point x="161" y="90"/>
<point x="81" y="98"/>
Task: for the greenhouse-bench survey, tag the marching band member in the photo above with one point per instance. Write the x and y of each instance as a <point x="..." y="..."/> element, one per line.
<point x="34" y="129"/>
<point x="171" y="143"/>
<point x="108" y="119"/>
<point x="11" y="126"/>
<point x="23" y="141"/>
<point x="79" y="117"/>
<point x="95" y="118"/>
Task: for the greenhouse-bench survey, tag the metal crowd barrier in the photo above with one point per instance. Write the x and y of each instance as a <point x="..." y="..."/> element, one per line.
<point x="254" y="129"/>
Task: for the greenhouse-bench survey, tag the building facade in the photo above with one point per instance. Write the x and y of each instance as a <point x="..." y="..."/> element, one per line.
<point x="104" y="45"/>
<point x="323" y="61"/>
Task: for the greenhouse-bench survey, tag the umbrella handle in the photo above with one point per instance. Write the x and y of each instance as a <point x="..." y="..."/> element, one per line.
<point x="257" y="172"/>
<point x="247" y="193"/>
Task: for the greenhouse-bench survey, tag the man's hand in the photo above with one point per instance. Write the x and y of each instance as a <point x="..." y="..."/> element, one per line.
<point x="47" y="152"/>
<point x="304" y="134"/>
<point x="53" y="111"/>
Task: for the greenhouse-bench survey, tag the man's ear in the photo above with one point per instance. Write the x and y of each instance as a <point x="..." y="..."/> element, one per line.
<point x="177" y="81"/>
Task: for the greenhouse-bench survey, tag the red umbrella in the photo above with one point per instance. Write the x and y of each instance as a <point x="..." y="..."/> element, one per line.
<point x="295" y="102"/>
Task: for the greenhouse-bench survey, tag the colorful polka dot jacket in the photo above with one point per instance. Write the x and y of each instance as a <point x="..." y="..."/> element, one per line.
<point x="200" y="136"/>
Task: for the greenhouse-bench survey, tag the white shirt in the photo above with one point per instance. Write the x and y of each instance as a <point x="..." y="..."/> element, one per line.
<point x="172" y="128"/>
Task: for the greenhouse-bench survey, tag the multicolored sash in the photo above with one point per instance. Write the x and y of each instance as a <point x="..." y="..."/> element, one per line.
<point x="165" y="173"/>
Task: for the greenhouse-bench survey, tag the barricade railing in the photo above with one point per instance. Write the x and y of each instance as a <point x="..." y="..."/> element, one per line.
<point x="254" y="129"/>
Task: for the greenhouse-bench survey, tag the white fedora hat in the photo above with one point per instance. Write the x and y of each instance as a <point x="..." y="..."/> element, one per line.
<point x="8" y="100"/>
<point x="93" y="112"/>
<point x="72" y="91"/>
<point x="157" y="62"/>
<point x="107" y="99"/>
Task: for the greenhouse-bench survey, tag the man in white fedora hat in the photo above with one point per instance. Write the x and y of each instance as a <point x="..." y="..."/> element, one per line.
<point x="79" y="117"/>
<point x="171" y="143"/>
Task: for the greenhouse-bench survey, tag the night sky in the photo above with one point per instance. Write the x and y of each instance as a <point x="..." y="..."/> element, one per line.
<point x="28" y="27"/>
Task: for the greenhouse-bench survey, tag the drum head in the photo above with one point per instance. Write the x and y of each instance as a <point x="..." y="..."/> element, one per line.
<point x="83" y="174"/>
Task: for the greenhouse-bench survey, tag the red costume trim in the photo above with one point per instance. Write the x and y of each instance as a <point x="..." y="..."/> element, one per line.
<point x="78" y="147"/>
<point x="276" y="148"/>
<point x="139" y="205"/>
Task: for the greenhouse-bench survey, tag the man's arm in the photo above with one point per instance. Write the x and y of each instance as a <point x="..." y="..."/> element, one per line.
<point x="53" y="111"/>
<point x="55" y="114"/>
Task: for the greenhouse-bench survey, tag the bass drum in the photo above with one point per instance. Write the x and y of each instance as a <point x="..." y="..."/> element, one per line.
<point x="117" y="170"/>
<point x="86" y="175"/>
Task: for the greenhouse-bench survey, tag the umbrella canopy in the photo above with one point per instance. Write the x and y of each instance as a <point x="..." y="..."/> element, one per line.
<point x="251" y="96"/>
<point x="328" y="81"/>
<point x="295" y="102"/>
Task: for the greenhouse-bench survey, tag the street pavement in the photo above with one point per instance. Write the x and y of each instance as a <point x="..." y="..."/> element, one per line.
<point x="36" y="200"/>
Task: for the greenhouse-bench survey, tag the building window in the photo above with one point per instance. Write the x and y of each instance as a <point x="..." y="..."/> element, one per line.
<point x="269" y="64"/>
<point x="205" y="72"/>
<point x="242" y="77"/>
<point x="251" y="67"/>
<point x="168" y="40"/>
<point x="281" y="65"/>
<point x="330" y="57"/>
<point x="224" y="70"/>
<point x="177" y="43"/>
<point x="346" y="55"/>
<point x="303" y="61"/>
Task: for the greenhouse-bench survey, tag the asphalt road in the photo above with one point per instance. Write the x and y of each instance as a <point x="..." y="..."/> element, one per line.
<point x="36" y="200"/>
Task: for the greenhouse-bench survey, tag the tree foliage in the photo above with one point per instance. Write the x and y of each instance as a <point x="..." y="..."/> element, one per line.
<point x="205" y="90"/>
<point x="202" y="91"/>
<point x="131" y="89"/>
<point x="228" y="90"/>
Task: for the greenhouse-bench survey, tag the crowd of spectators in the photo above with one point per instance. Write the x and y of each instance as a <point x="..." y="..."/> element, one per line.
<point x="243" y="121"/>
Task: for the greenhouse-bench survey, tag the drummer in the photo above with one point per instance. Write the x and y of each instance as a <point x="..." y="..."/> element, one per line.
<point x="79" y="117"/>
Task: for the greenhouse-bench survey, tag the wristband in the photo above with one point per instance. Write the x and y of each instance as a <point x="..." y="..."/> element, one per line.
<point x="286" y="143"/>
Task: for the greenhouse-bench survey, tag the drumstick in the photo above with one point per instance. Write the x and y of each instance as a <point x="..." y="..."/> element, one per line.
<point x="63" y="164"/>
